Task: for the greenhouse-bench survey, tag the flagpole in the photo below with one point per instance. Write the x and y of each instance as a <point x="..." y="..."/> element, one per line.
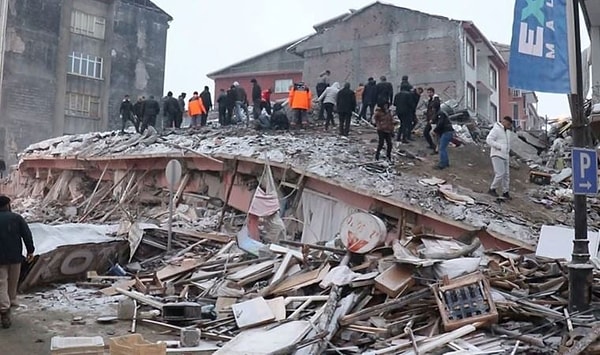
<point x="580" y="270"/>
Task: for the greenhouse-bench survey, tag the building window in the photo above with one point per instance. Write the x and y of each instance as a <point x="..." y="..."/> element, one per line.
<point x="470" y="97"/>
<point x="493" y="112"/>
<point x="85" y="65"/>
<point x="470" y="53"/>
<point x="515" y="92"/>
<point x="82" y="105"/>
<point x="87" y="25"/>
<point x="282" y="86"/>
<point x="515" y="112"/>
<point x="493" y="77"/>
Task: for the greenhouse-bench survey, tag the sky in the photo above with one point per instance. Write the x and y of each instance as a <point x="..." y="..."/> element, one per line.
<point x="206" y="35"/>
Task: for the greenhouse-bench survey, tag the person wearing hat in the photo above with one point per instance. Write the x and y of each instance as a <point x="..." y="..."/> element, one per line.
<point x="499" y="142"/>
<point x="14" y="231"/>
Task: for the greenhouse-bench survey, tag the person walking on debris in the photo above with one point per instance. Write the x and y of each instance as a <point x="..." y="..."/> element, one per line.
<point x="181" y="101"/>
<point x="256" y="99"/>
<point x="321" y="86"/>
<point x="126" y="114"/>
<point x="384" y="91"/>
<point x="369" y="99"/>
<point x="328" y="100"/>
<point x="346" y="104"/>
<point x="359" y="94"/>
<point x="445" y="132"/>
<point x="230" y="104"/>
<point x="171" y="110"/>
<point x="222" y="102"/>
<point x="137" y="111"/>
<point x="433" y="108"/>
<point x="206" y="98"/>
<point x="404" y="102"/>
<point x="265" y="101"/>
<point x="404" y="83"/>
<point x="499" y="141"/>
<point x="195" y="109"/>
<point x="150" y="110"/>
<point x="14" y="232"/>
<point x="300" y="100"/>
<point x="241" y="102"/>
<point x="385" y="128"/>
<point x="417" y="99"/>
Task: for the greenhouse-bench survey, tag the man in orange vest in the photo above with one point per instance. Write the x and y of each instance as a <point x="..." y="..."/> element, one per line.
<point x="195" y="109"/>
<point x="300" y="100"/>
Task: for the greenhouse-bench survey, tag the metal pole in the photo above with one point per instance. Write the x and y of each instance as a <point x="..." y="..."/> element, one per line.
<point x="170" y="222"/>
<point x="580" y="271"/>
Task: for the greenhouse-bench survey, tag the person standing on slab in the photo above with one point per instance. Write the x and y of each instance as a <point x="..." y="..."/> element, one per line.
<point x="346" y="105"/>
<point x="14" y="232"/>
<point x="499" y="142"/>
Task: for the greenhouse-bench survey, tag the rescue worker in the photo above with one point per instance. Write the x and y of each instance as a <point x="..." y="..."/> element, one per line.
<point x="195" y="109"/>
<point x="385" y="129"/>
<point x="328" y="99"/>
<point x="433" y="108"/>
<point x="404" y="102"/>
<point x="137" y="111"/>
<point x="346" y="104"/>
<point x="14" y="232"/>
<point x="230" y="103"/>
<point x="150" y="109"/>
<point x="384" y="91"/>
<point x="321" y="86"/>
<point x="300" y="100"/>
<point x="359" y="94"/>
<point x="444" y="132"/>
<point x="222" y="102"/>
<point x="126" y="114"/>
<point x="171" y="110"/>
<point x="499" y="141"/>
<point x="206" y="98"/>
<point x="241" y="103"/>
<point x="265" y="101"/>
<point x="369" y="99"/>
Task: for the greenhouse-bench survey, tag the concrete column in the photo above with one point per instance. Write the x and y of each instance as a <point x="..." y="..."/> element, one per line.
<point x="595" y="40"/>
<point x="62" y="58"/>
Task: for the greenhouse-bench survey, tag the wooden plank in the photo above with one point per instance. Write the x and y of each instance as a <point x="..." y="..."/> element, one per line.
<point x="251" y="270"/>
<point x="302" y="280"/>
<point x="277" y="306"/>
<point x="251" y="313"/>
<point x="217" y="237"/>
<point x="223" y="306"/>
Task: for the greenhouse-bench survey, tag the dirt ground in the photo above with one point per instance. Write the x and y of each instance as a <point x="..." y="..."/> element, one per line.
<point x="54" y="312"/>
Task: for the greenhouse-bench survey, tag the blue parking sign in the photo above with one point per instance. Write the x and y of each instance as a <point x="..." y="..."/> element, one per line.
<point x="585" y="171"/>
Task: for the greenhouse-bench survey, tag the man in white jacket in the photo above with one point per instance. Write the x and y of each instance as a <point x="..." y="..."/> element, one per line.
<point x="328" y="99"/>
<point x="499" y="142"/>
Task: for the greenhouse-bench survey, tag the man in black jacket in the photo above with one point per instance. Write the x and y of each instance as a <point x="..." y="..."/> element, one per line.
<point x="181" y="101"/>
<point x="126" y="113"/>
<point x="445" y="132"/>
<point x="404" y="102"/>
<point x="369" y="99"/>
<point x="231" y="102"/>
<point x="137" y="110"/>
<point x="346" y="104"/>
<point x="256" y="91"/>
<point x="150" y="109"/>
<point x="171" y="110"/>
<point x="433" y="107"/>
<point x="384" y="92"/>
<point x="14" y="232"/>
<point x="222" y="102"/>
<point x="205" y="96"/>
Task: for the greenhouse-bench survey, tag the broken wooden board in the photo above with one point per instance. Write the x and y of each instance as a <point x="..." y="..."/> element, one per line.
<point x="217" y="237"/>
<point x="223" y="306"/>
<point x="251" y="270"/>
<point x="299" y="281"/>
<point x="277" y="306"/>
<point x="394" y="280"/>
<point x="252" y="313"/>
<point x="266" y="340"/>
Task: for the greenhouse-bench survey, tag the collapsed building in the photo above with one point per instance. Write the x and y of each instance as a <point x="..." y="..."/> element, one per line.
<point x="256" y="227"/>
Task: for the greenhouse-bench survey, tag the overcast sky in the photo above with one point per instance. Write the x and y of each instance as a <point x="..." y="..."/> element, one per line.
<point x="209" y="35"/>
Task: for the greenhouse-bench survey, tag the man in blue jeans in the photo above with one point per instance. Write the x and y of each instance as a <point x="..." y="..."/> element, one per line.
<point x="444" y="130"/>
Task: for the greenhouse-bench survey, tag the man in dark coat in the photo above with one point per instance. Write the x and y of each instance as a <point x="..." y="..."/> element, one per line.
<point x="231" y="103"/>
<point x="346" y="104"/>
<point x="150" y="109"/>
<point x="369" y="99"/>
<point x="405" y="108"/>
<point x="222" y="102"/>
<point x="384" y="92"/>
<point x="14" y="232"/>
<point x="444" y="132"/>
<point x="137" y="110"/>
<point x="181" y="102"/>
<point x="126" y="113"/>
<point x="433" y="108"/>
<point x="256" y="94"/>
<point x="206" y="98"/>
<point x="171" y="110"/>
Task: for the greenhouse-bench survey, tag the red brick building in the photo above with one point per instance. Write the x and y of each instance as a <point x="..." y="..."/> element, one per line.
<point x="276" y="69"/>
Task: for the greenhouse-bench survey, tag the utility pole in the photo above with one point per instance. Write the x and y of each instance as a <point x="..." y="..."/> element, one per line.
<point x="580" y="270"/>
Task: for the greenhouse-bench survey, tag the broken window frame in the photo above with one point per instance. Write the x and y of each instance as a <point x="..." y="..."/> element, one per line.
<point x="470" y="94"/>
<point x="470" y="53"/>
<point x="82" y="105"/>
<point x="88" y="25"/>
<point x="85" y="65"/>
<point x="493" y="77"/>
<point x="280" y="88"/>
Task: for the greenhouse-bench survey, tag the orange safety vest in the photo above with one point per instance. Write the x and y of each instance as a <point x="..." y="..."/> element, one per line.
<point x="195" y="107"/>
<point x="300" y="99"/>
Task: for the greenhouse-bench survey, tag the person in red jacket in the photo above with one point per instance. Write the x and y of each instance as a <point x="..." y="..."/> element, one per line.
<point x="300" y="100"/>
<point x="265" y="101"/>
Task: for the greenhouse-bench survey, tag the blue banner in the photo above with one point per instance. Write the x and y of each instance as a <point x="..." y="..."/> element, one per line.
<point x="539" y="50"/>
